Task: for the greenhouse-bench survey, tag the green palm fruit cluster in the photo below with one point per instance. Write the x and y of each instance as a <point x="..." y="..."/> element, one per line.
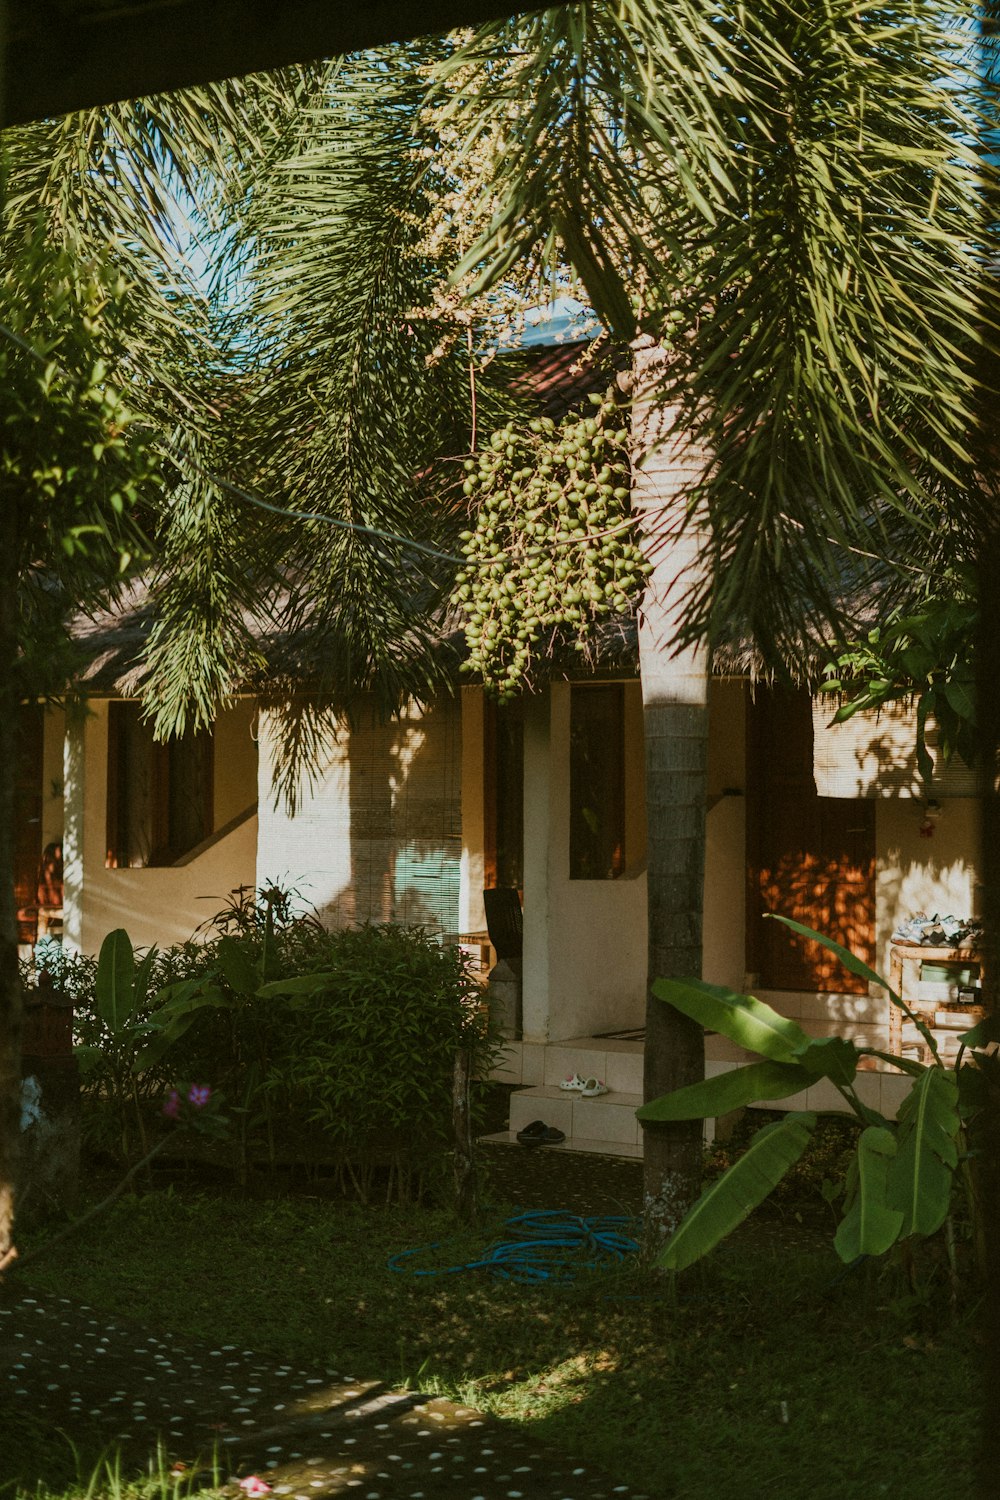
<point x="552" y="546"/>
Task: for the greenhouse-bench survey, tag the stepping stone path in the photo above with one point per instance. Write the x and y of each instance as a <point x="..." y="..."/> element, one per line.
<point x="307" y="1433"/>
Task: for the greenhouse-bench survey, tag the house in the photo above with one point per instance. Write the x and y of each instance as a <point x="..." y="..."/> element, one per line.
<point x="410" y="820"/>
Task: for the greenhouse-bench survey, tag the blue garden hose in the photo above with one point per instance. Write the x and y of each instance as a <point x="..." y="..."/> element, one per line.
<point x="548" y="1245"/>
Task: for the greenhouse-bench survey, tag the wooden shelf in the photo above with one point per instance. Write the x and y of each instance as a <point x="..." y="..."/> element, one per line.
<point x="900" y="954"/>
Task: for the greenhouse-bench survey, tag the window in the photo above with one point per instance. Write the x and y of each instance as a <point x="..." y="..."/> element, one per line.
<point x="597" y="781"/>
<point x="159" y="795"/>
<point x="504" y="794"/>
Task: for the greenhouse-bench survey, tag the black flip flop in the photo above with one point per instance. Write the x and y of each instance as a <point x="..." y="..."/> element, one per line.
<point x="540" y="1134"/>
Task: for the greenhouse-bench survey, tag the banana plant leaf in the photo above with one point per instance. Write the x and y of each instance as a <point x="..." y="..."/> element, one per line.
<point x="920" y="1174"/>
<point x="870" y="1225"/>
<point x="747" y="1021"/>
<point x="904" y="1064"/>
<point x="986" y="1031"/>
<point x="832" y="1057"/>
<point x="732" y="1090"/>
<point x="114" y="983"/>
<point x="88" y="1057"/>
<point x="726" y="1202"/>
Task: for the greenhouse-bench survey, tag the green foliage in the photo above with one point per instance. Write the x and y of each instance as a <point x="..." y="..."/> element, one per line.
<point x="731" y="1198"/>
<point x="111" y="1008"/>
<point x="869" y="1226"/>
<point x="551" y="546"/>
<point x="729" y="1091"/>
<point x="923" y="652"/>
<point x="369" y="1061"/>
<point x="334" y="1044"/>
<point x="73" y="464"/>
<point x="920" y="1175"/>
<point x="791" y="199"/>
<point x="902" y="1178"/>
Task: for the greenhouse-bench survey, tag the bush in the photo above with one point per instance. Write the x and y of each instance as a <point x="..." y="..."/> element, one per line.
<point x="337" y="1045"/>
<point x="370" y="1060"/>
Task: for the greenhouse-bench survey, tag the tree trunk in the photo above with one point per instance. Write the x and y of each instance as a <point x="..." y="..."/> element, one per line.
<point x="675" y="716"/>
<point x="988" y="656"/>
<point x="10" y="986"/>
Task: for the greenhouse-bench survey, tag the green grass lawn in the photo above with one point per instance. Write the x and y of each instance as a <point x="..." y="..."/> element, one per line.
<point x="767" y="1372"/>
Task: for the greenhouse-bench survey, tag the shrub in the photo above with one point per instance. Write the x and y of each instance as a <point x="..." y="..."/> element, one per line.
<point x="370" y="1060"/>
<point x="327" y="1044"/>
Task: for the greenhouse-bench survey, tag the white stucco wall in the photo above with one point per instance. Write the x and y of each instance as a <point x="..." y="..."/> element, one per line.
<point x="377" y="833"/>
<point x="160" y="905"/>
<point x="585" y="940"/>
<point x="933" y="875"/>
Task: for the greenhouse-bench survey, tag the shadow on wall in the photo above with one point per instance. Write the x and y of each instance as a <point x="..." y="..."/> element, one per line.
<point x="917" y="871"/>
<point x="402" y="819"/>
<point x="831" y="896"/>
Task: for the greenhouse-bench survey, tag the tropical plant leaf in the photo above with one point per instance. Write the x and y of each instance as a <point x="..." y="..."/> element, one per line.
<point x="88" y="1057"/>
<point x="730" y="1090"/>
<point x="238" y="970"/>
<point x="140" y="984"/>
<point x="114" y="983"/>
<point x="726" y="1202"/>
<point x="920" y="1175"/>
<point x="163" y="1039"/>
<point x="299" y="984"/>
<point x="833" y="1057"/>
<point x="904" y="1064"/>
<point x="985" y="1031"/>
<point x="869" y="1225"/>
<point x="742" y="1018"/>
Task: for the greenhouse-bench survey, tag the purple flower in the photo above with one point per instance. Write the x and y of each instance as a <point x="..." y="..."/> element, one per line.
<point x="199" y="1095"/>
<point x="172" y="1105"/>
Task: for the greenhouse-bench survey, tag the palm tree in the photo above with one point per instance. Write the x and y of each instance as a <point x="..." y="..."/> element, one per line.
<point x="788" y="204"/>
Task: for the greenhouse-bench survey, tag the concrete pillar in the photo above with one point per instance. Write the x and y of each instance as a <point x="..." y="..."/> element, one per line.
<point x="73" y="832"/>
<point x="472" y="918"/>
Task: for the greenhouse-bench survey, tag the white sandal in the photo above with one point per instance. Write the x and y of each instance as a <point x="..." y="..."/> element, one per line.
<point x="592" y="1087"/>
<point x="574" y="1083"/>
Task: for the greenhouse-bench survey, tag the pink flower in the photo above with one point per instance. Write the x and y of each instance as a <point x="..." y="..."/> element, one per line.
<point x="199" y="1095"/>
<point x="254" y="1485"/>
<point x="172" y="1105"/>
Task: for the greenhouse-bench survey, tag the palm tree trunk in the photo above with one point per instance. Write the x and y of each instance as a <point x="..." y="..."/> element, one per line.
<point x="675" y="716"/>
<point x="988" y="655"/>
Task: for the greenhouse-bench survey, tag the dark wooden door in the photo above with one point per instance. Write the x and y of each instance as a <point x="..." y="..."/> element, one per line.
<point x="810" y="858"/>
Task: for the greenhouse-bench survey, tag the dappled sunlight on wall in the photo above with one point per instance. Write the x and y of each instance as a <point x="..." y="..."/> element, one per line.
<point x="934" y="875"/>
<point x="378" y="836"/>
<point x="830" y="896"/>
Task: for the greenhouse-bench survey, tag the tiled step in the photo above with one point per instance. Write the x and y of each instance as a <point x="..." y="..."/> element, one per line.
<point x="610" y="1117"/>
<point x="618" y="1064"/>
<point x="595" y="1148"/>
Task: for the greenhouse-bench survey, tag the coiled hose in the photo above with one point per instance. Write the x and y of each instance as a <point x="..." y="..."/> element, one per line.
<point x="548" y="1245"/>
